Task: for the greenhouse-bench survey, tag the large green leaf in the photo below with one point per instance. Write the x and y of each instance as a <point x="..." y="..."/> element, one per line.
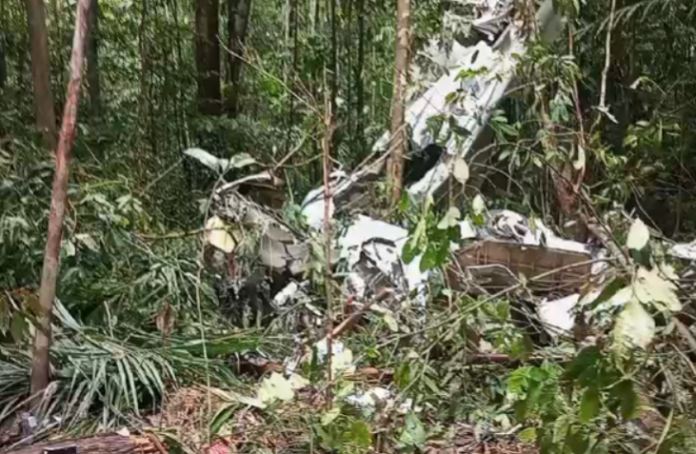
<point x="634" y="326"/>
<point x="413" y="433"/>
<point x="638" y="235"/>
<point x="589" y="405"/>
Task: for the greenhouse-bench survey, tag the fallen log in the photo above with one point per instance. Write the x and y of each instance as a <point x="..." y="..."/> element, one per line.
<point x="96" y="444"/>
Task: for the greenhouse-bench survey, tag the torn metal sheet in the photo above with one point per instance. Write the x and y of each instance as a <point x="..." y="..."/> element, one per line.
<point x="368" y="400"/>
<point x="286" y="295"/>
<point x="481" y="91"/>
<point x="558" y="315"/>
<point x="313" y="203"/>
<point x="509" y="225"/>
<point x="280" y="248"/>
<point x="686" y="251"/>
<point x="373" y="250"/>
<point x="490" y="71"/>
<point x="492" y="17"/>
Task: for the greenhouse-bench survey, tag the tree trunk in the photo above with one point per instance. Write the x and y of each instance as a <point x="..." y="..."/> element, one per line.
<point x="3" y="46"/>
<point x="3" y="65"/>
<point x="399" y="132"/>
<point x="93" y="60"/>
<point x="359" y="72"/>
<point x="237" y="22"/>
<point x="334" y="62"/>
<point x="59" y="192"/>
<point x="41" y="72"/>
<point x="208" y="57"/>
<point x="291" y="73"/>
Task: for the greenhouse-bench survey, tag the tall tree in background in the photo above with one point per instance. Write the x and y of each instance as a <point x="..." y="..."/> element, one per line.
<point x="3" y="40"/>
<point x="334" y="61"/>
<point x="238" y="12"/>
<point x="399" y="132"/>
<point x="40" y="366"/>
<point x="208" y="57"/>
<point x="359" y="73"/>
<point x="41" y="72"/>
<point x="94" y="88"/>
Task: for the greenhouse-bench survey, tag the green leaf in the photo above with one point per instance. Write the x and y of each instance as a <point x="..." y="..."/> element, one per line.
<point x="652" y="289"/>
<point x="409" y="252"/>
<point x="131" y="384"/>
<point x="390" y="321"/>
<point x="450" y="219"/>
<point x="344" y="389"/>
<point x="460" y="170"/>
<point x="68" y="248"/>
<point x="413" y="433"/>
<point x="330" y="416"/>
<point x="297" y="381"/>
<point x="520" y="408"/>
<point x="638" y="235"/>
<point x="217" y="236"/>
<point x="560" y="429"/>
<point x="528" y="435"/>
<point x="628" y="398"/>
<point x="213" y="163"/>
<point x="634" y="326"/>
<point x="584" y="365"/>
<point x="18" y="327"/>
<point x="359" y="434"/>
<point x="222" y="416"/>
<point x="589" y="405"/>
<point x="240" y="160"/>
<point x="342" y="362"/>
<point x="578" y="442"/>
<point x="478" y="206"/>
<point x="275" y="387"/>
<point x="607" y="292"/>
<point x="429" y="259"/>
<point x="88" y="241"/>
<point x="402" y="377"/>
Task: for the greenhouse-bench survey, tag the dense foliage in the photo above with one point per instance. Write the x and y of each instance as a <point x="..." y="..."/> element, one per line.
<point x="605" y="108"/>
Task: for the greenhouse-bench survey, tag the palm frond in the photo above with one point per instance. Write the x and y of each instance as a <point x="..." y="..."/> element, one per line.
<point x="120" y="373"/>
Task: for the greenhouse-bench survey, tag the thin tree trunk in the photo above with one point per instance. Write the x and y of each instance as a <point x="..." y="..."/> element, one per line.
<point x="3" y="66"/>
<point x="3" y="46"/>
<point x="208" y="57"/>
<point x="359" y="89"/>
<point x="59" y="43"/>
<point x="334" y="62"/>
<point x="93" y="84"/>
<point x="41" y="72"/>
<point x="313" y="16"/>
<point x="399" y="132"/>
<point x="291" y="73"/>
<point x="59" y="193"/>
<point x="238" y="21"/>
<point x="180" y="115"/>
<point x="138" y="152"/>
<point x="326" y="172"/>
<point x="347" y="55"/>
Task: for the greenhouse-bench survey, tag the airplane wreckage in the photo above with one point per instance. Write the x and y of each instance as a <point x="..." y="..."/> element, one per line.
<point x="490" y="255"/>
